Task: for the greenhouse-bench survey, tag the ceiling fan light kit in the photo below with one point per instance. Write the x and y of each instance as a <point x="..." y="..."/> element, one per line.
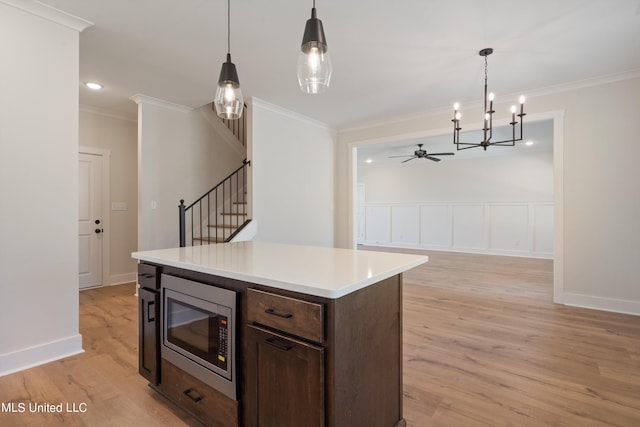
<point x="487" y="129"/>
<point x="314" y="64"/>
<point x="228" y="100"/>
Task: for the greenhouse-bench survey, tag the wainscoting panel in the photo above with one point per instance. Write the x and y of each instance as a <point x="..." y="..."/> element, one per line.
<point x="435" y="226"/>
<point x="504" y="228"/>
<point x="405" y="227"/>
<point x="543" y="230"/>
<point x="378" y="224"/>
<point x="509" y="228"/>
<point x="469" y="227"/>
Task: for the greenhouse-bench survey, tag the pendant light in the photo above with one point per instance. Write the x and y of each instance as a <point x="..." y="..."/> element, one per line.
<point x="314" y="64"/>
<point x="487" y="130"/>
<point x="228" y="100"/>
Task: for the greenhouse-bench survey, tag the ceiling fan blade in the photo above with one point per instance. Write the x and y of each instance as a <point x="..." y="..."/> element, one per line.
<point x="414" y="157"/>
<point x="435" y="159"/>
<point x="441" y="154"/>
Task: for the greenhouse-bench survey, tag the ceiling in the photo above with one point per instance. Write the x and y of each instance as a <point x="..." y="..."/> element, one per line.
<point x="389" y="58"/>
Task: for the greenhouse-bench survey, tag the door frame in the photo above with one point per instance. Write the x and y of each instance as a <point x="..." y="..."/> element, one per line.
<point x="557" y="116"/>
<point x="106" y="223"/>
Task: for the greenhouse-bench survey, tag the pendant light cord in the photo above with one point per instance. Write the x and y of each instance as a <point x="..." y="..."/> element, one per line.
<point x="229" y="26"/>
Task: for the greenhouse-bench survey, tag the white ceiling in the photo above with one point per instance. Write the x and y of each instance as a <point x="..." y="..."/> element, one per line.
<point x="390" y="58"/>
<point x="539" y="133"/>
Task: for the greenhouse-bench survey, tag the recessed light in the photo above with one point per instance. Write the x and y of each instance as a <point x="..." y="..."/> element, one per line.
<point x="528" y="142"/>
<point x="93" y="85"/>
<point x="369" y="161"/>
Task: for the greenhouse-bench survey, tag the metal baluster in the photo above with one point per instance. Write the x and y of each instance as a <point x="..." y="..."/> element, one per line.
<point x="208" y="218"/>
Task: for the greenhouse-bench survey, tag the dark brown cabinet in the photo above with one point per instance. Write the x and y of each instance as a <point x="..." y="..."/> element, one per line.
<point x="303" y="360"/>
<point x="149" y="335"/>
<point x="284" y="380"/>
<point x="149" y="322"/>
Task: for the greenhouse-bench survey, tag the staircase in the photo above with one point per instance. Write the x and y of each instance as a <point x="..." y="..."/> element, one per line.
<point x="218" y="215"/>
<point x="238" y="126"/>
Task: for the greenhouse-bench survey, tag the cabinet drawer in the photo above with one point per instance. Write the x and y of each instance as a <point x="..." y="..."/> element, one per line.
<point x="149" y="276"/>
<point x="294" y="316"/>
<point x="210" y="406"/>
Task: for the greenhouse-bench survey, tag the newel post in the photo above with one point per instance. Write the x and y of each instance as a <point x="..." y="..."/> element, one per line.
<point x="181" y="210"/>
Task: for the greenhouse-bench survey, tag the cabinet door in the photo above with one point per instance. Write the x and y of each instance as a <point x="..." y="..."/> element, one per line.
<point x="149" y="335"/>
<point x="285" y="381"/>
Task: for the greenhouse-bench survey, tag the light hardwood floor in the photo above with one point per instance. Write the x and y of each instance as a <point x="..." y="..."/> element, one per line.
<point x="484" y="346"/>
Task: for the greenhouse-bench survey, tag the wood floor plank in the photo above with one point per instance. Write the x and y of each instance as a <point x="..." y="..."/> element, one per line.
<point x="484" y="345"/>
<point x="483" y="335"/>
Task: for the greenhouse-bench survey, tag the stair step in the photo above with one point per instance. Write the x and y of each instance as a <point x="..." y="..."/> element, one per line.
<point x="225" y="226"/>
<point x="239" y="203"/>
<point x="235" y="213"/>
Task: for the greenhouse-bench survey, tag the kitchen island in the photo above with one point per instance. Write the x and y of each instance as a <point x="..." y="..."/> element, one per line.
<point x="317" y="334"/>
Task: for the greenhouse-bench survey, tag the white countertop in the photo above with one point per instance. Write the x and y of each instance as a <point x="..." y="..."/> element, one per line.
<point x="319" y="271"/>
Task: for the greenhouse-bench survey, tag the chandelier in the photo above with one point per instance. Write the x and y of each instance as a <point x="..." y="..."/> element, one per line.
<point x="487" y="129"/>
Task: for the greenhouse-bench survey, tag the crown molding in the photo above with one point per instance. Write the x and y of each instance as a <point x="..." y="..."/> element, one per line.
<point x="144" y="99"/>
<point x="548" y="90"/>
<point x="107" y="113"/>
<point x="50" y="13"/>
<point x="257" y="102"/>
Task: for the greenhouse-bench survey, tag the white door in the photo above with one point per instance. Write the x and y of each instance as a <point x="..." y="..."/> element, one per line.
<point x="90" y="219"/>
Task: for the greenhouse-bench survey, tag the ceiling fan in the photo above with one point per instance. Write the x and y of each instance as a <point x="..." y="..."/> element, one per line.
<point x="422" y="154"/>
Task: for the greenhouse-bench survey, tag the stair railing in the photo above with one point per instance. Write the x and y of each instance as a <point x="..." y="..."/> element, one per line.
<point x="219" y="214"/>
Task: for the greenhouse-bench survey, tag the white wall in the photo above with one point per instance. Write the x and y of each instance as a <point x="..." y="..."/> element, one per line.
<point x="38" y="189"/>
<point x="292" y="166"/>
<point x="499" y="178"/>
<point x="500" y="228"/>
<point x="600" y="206"/>
<point x="119" y="136"/>
<point x="495" y="204"/>
<point x="179" y="157"/>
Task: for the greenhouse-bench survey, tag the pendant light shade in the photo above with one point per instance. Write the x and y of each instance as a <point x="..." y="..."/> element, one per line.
<point x="228" y="100"/>
<point x="314" y="64"/>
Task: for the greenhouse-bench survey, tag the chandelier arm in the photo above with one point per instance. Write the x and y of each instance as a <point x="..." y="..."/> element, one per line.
<point x="470" y="145"/>
<point x="506" y="141"/>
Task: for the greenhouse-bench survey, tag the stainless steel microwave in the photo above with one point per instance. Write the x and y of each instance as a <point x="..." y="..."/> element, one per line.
<point x="199" y="331"/>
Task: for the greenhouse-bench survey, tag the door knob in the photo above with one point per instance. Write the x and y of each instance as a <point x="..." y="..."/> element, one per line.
<point x="97" y="221"/>
<point x="99" y="230"/>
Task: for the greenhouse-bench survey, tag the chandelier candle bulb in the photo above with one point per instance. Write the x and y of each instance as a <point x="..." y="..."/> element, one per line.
<point x="491" y="96"/>
<point x="513" y="114"/>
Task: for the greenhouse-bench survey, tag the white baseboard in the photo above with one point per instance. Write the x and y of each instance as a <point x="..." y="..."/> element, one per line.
<point x="601" y="303"/>
<point x="119" y="279"/>
<point x="40" y="354"/>
<point x="521" y="254"/>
